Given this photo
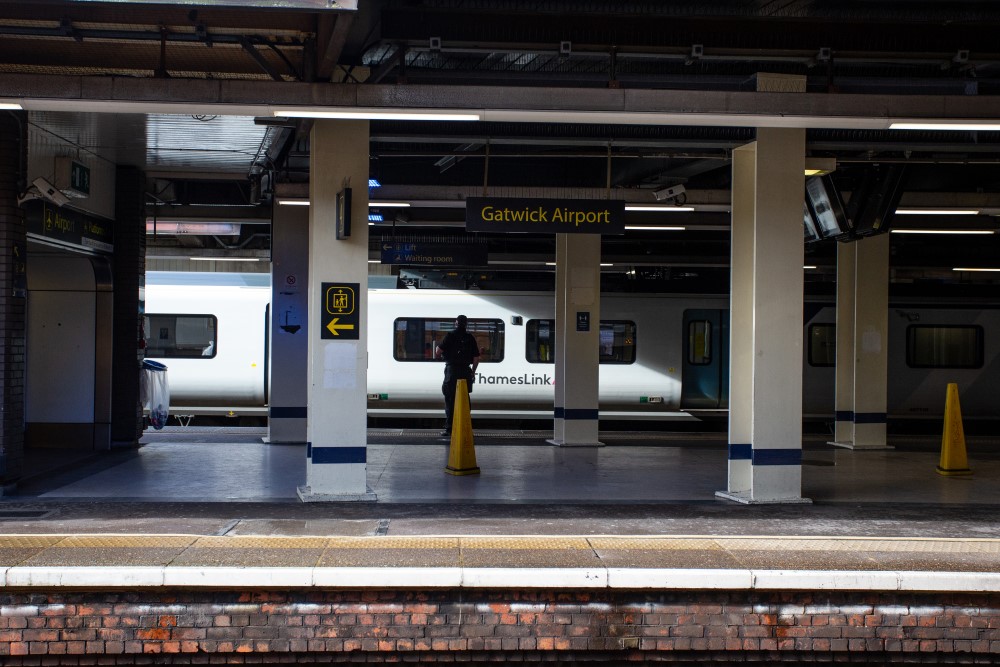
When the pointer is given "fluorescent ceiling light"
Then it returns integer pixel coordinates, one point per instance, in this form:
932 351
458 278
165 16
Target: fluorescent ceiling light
219 228
809 266
388 204
606 264
226 259
942 231
656 228
664 208
936 211
376 114
968 269
294 202
374 261
10 106
944 125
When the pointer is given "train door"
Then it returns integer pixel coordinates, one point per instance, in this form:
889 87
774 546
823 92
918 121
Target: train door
705 369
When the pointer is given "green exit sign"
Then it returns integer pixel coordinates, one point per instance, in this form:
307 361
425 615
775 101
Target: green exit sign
79 177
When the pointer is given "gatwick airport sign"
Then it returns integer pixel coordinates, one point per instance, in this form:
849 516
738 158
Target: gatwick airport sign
545 216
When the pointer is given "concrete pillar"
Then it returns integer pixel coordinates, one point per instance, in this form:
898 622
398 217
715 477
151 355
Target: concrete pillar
289 327
336 466
13 290
862 333
765 400
578 328
129 273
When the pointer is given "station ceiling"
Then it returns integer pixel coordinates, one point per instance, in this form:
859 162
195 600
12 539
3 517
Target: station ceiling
229 166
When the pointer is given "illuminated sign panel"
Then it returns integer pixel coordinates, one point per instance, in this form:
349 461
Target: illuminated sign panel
545 216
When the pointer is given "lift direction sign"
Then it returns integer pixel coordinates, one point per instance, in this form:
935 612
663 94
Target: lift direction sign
340 311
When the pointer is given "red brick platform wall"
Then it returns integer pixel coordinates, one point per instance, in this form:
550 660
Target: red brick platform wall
484 626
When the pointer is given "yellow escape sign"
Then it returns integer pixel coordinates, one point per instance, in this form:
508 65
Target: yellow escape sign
340 311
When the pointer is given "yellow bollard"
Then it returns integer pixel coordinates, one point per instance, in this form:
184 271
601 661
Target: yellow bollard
462 454
953 459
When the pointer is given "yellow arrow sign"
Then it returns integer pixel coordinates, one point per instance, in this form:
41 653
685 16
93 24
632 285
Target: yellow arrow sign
335 328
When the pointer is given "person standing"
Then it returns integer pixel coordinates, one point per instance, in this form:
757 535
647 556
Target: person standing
461 359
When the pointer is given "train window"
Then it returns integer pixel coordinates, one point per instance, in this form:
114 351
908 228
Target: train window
944 346
616 341
417 338
822 344
699 342
181 336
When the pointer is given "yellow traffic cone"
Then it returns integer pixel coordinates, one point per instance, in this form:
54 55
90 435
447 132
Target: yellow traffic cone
462 454
953 459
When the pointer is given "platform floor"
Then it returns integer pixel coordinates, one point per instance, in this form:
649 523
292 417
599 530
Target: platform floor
215 481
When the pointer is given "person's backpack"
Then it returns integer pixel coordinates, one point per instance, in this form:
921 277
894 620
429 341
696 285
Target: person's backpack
462 351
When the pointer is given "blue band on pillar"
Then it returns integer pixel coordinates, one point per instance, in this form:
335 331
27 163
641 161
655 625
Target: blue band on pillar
740 452
777 457
322 455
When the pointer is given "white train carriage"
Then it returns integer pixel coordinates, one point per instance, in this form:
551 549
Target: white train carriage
661 356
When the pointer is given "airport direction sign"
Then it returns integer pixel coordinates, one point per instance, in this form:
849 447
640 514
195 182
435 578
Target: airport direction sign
545 216
434 254
340 318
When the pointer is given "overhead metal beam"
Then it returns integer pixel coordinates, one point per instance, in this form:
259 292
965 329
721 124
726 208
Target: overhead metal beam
502 104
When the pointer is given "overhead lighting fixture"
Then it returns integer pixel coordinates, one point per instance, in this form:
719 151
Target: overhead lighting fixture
656 228
664 209
606 264
373 183
942 231
377 114
936 211
202 228
226 259
374 261
967 126
970 269
375 217
7 105
293 202
809 266
388 204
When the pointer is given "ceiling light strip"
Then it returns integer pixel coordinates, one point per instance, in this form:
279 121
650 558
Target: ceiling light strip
351 113
974 269
955 126
936 211
656 228
942 231
663 209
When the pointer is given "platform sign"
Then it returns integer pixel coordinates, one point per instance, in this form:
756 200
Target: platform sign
339 311
545 216
582 321
434 254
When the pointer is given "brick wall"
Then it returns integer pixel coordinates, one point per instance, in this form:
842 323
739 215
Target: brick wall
482 626
13 133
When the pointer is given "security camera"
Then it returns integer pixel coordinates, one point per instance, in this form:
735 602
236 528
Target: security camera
50 192
673 192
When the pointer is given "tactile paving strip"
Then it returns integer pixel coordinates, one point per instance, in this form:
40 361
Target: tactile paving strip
524 543
126 541
261 543
393 543
29 541
654 544
912 546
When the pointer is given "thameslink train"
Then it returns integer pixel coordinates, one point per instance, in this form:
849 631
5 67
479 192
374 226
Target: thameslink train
662 357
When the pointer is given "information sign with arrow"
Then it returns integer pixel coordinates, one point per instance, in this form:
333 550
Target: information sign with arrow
340 319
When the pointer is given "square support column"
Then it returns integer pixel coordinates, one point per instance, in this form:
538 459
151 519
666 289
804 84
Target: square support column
765 390
578 328
862 333
289 363
337 453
